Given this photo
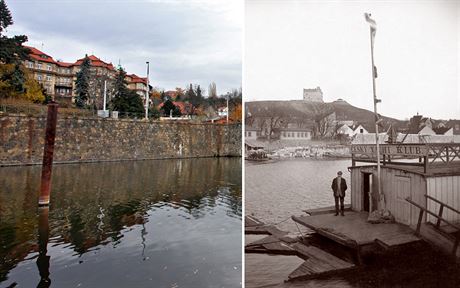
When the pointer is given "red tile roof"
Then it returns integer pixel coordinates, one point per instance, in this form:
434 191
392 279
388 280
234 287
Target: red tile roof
39 55
95 62
137 79
64 64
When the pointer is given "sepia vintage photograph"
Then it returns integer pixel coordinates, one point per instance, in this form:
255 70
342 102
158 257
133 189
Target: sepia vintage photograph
352 143
120 143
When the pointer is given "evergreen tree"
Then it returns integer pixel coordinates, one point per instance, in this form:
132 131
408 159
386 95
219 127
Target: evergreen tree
11 49
196 97
11 52
82 83
126 101
190 94
5 16
199 95
169 106
153 112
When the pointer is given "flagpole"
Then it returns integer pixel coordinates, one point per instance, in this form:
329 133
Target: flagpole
373 30
105 96
147 94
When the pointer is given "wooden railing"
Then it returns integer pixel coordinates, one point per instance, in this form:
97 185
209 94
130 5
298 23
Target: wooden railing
445 152
439 217
404 154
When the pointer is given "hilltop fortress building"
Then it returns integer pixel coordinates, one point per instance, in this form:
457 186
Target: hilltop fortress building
313 95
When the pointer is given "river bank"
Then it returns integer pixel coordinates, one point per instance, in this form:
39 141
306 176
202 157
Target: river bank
80 139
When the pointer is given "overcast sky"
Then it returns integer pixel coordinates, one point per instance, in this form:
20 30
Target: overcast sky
185 41
291 45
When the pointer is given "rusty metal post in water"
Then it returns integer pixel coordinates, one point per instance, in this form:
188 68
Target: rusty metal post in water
43 260
48 151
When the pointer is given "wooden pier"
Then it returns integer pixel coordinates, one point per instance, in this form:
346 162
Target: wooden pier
353 230
317 263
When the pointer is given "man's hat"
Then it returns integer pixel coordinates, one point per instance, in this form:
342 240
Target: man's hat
339 173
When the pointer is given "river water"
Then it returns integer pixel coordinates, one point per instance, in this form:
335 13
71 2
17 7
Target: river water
276 190
166 223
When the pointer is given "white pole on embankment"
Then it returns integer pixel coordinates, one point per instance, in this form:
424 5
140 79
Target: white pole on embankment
373 30
105 95
147 94
227 107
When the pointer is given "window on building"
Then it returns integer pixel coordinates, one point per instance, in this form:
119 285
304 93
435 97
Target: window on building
30 64
249 134
39 77
48 67
361 130
39 65
48 77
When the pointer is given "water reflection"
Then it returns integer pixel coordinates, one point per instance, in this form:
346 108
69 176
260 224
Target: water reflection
177 212
43 260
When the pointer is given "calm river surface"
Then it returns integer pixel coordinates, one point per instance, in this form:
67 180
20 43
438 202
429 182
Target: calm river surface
166 223
276 190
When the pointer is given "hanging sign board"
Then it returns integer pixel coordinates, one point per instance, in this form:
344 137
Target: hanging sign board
418 150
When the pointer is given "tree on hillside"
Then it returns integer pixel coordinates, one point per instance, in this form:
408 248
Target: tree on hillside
236 113
156 93
325 122
18 82
180 93
212 92
34 91
190 94
11 49
126 101
82 83
198 100
11 53
169 106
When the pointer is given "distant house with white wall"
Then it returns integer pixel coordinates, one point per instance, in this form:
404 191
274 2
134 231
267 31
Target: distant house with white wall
251 132
420 125
294 131
222 111
351 130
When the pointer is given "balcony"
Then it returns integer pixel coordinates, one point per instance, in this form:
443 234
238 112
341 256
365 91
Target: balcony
63 84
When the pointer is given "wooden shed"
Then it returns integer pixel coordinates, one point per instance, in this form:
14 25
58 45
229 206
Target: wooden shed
425 174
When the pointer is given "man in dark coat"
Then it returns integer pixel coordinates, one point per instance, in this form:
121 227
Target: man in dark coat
339 186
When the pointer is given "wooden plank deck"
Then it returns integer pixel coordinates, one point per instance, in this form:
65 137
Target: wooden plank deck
325 210
250 221
353 230
317 263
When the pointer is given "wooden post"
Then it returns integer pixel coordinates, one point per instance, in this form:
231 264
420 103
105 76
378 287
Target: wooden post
48 151
440 215
457 240
420 217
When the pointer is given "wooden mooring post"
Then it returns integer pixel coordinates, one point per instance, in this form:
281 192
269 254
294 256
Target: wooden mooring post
48 150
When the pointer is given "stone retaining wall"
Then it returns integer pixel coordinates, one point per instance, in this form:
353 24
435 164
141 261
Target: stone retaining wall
98 139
